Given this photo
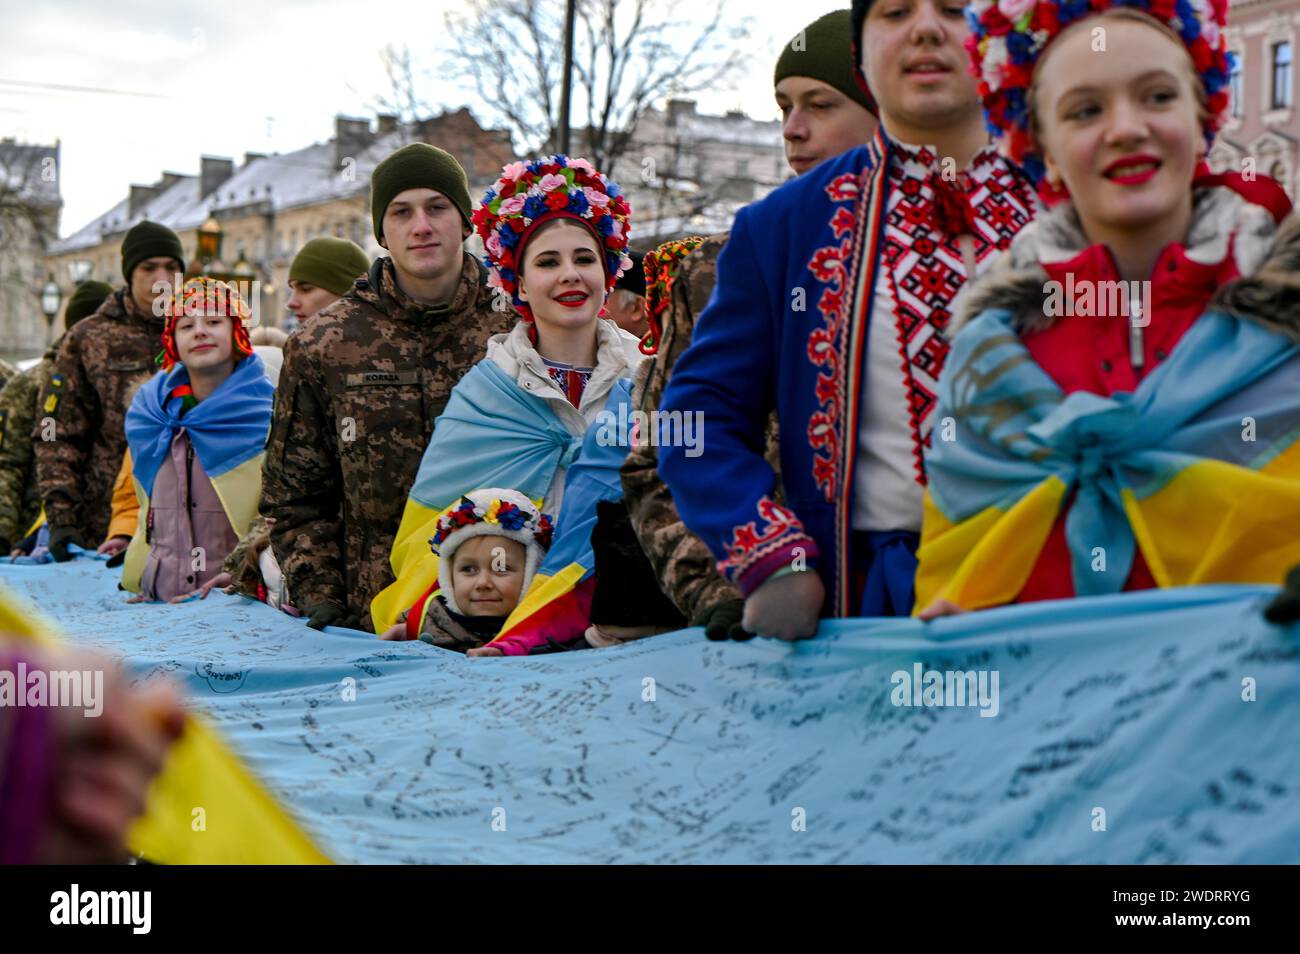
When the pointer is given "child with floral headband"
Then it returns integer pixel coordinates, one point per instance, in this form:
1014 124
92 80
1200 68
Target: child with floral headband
556 233
1123 388
196 433
489 546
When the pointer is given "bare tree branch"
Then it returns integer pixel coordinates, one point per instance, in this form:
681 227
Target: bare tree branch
508 55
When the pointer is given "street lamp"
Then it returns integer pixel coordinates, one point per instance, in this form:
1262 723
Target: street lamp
51 298
79 270
243 269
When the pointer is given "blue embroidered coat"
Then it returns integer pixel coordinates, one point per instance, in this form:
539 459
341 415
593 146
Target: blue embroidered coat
786 327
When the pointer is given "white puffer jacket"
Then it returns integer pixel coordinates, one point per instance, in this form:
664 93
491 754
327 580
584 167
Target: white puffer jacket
617 356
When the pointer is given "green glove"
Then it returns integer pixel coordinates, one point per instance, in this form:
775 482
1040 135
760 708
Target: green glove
60 537
328 614
1285 607
722 621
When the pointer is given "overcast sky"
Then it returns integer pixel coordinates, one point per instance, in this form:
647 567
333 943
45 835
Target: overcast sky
194 78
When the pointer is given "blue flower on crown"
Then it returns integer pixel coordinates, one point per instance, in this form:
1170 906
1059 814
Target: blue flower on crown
1015 103
509 238
1072 11
1020 47
534 207
511 517
578 204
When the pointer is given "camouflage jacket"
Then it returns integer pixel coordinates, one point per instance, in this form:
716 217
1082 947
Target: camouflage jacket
686 569
362 384
100 363
7 372
20 497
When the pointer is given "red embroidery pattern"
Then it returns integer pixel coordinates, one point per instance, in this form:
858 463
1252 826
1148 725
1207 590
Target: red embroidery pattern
925 266
748 545
828 266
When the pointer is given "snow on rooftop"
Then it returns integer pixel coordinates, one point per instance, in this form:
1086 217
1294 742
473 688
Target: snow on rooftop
287 180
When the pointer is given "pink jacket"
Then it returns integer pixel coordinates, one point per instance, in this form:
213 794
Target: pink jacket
185 513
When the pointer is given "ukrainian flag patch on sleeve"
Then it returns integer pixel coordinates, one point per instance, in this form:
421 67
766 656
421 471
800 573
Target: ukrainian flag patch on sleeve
53 394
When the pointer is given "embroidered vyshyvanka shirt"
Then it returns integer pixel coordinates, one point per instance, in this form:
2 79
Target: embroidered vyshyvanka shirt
923 267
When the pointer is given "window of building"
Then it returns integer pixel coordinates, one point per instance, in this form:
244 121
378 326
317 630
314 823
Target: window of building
1235 88
1282 75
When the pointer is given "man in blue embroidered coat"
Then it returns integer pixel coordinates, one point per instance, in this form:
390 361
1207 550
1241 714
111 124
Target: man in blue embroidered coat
832 299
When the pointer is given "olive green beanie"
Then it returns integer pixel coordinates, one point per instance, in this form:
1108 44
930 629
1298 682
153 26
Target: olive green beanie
329 263
823 50
417 166
149 240
85 301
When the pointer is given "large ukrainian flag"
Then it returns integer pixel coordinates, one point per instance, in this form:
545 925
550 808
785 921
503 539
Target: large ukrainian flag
1199 467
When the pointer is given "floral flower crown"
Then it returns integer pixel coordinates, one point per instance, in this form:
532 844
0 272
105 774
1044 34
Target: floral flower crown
506 514
1009 36
660 272
198 297
529 193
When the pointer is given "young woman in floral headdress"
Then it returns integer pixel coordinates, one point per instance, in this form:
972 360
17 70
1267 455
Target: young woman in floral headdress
556 233
1120 403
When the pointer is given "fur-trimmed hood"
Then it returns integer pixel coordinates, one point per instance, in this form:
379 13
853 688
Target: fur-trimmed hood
1267 257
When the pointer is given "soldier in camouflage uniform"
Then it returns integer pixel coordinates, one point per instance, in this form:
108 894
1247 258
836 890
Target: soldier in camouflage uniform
99 364
824 113
362 384
20 497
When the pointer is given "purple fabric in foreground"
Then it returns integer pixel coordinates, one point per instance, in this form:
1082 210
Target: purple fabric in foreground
26 774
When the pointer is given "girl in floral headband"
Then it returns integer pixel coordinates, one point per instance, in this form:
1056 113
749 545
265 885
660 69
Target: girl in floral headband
489 545
196 433
1099 375
556 234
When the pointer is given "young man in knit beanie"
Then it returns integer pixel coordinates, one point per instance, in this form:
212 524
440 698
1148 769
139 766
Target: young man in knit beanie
833 296
362 384
824 113
99 364
20 495
323 271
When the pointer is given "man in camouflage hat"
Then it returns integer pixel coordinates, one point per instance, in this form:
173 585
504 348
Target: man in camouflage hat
824 113
99 364
362 384
20 496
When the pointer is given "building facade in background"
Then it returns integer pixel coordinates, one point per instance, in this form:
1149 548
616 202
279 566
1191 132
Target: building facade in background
1263 132
687 172
269 206
30 203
